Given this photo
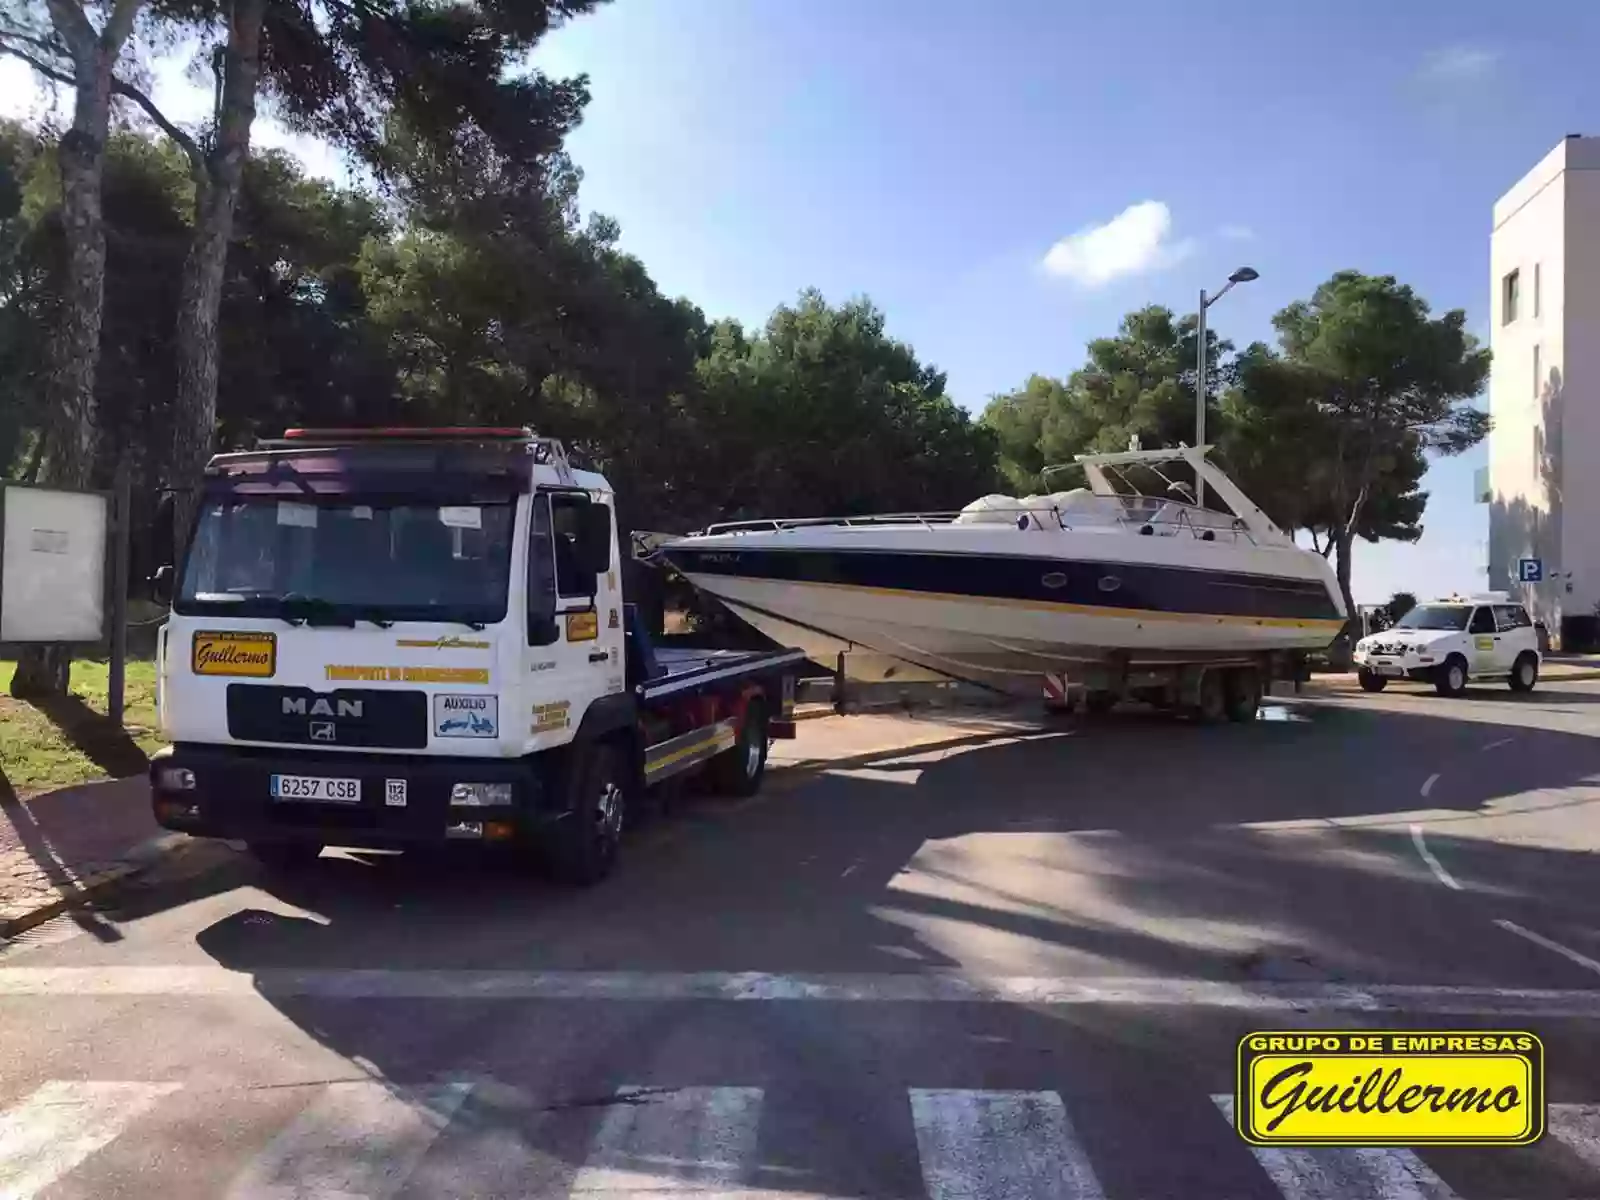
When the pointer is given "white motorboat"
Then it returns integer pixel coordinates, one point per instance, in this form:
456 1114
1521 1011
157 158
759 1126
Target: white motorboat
1010 588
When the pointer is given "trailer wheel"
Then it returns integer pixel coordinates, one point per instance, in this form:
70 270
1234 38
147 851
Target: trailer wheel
1213 704
1242 686
284 856
1099 703
740 770
583 845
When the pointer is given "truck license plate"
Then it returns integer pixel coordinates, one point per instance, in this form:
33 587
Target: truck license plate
316 788
1391 669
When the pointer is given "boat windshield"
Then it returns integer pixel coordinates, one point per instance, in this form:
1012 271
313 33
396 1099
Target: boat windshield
1435 616
343 561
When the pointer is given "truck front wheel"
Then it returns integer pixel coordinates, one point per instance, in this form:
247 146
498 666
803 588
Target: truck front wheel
740 770
583 845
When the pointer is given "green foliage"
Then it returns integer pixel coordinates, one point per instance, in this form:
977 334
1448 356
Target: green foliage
488 305
1399 605
1139 383
1330 431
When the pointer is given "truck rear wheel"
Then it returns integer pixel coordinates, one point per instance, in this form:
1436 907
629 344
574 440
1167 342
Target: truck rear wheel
740 770
583 845
1525 672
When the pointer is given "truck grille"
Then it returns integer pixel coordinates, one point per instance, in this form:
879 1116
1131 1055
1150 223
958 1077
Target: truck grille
366 718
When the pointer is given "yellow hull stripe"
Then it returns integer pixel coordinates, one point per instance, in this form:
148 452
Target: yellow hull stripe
1093 610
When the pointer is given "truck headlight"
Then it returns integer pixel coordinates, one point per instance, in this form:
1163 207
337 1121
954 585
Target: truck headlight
175 779
479 795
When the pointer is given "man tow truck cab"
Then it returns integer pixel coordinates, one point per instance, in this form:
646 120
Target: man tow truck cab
402 638
1450 642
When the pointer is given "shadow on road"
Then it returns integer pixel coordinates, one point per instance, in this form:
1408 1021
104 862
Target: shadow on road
1277 851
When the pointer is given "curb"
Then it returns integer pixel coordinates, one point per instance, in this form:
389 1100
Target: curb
93 887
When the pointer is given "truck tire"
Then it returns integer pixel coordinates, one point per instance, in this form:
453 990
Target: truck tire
1212 705
1242 689
284 856
582 846
1525 672
740 770
1371 681
1452 677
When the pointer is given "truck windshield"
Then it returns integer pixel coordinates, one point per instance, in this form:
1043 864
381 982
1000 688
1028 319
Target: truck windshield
347 561
1435 616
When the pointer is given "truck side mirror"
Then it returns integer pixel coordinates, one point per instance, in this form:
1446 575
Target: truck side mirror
161 584
592 545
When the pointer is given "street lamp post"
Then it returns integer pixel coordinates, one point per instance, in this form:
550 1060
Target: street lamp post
1242 275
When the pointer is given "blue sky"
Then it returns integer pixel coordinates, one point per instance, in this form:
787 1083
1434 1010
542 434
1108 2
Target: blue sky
941 156
931 154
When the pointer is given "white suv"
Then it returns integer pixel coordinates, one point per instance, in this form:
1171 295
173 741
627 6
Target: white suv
1451 641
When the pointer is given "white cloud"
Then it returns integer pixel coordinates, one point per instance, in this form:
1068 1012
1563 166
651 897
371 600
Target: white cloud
1458 64
1135 241
1237 233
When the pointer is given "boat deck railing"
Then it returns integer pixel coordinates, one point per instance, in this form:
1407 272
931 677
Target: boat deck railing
1165 518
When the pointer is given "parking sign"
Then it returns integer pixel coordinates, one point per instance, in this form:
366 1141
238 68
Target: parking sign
1530 570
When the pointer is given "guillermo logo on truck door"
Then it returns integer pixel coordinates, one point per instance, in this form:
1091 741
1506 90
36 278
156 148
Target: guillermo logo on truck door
1390 1088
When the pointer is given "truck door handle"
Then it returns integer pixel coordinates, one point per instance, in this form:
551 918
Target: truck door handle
599 656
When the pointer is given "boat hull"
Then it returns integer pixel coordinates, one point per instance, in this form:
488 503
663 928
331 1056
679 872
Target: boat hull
1011 613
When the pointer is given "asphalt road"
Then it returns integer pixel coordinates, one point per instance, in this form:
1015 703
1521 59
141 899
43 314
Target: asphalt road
1006 962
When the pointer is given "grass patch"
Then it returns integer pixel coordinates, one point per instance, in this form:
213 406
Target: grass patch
59 744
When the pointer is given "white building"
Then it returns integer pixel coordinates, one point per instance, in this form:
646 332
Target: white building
1544 451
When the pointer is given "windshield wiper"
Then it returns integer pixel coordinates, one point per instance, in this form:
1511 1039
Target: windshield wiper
315 611
370 613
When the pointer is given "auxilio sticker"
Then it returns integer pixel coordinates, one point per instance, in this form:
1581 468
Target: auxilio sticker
466 716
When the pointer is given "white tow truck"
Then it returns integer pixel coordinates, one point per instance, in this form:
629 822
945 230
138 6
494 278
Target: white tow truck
400 638
1451 641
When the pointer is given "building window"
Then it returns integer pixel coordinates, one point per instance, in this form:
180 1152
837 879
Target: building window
1510 287
1536 290
1538 371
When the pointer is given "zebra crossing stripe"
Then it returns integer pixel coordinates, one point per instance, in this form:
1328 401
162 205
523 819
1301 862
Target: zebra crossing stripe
978 1145
1345 1173
1577 1127
60 1125
356 1139
698 1141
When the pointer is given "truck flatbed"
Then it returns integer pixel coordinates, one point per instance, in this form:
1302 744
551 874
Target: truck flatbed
660 673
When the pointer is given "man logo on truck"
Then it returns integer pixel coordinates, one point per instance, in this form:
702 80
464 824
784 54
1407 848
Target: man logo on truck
298 706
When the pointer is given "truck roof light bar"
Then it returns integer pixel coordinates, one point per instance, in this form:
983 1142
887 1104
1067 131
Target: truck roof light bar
404 433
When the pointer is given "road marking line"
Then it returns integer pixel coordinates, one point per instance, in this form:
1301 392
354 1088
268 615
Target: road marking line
356 1139
1577 1127
1345 1173
1427 784
1538 939
978 1145
1495 745
1434 864
62 1124
923 987
698 1141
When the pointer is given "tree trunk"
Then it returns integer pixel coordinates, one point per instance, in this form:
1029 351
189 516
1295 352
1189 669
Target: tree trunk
1341 565
69 422
205 269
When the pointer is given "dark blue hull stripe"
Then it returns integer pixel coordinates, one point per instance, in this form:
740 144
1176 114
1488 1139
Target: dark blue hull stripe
1137 587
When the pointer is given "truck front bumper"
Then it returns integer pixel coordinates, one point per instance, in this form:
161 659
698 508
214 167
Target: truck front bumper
226 792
